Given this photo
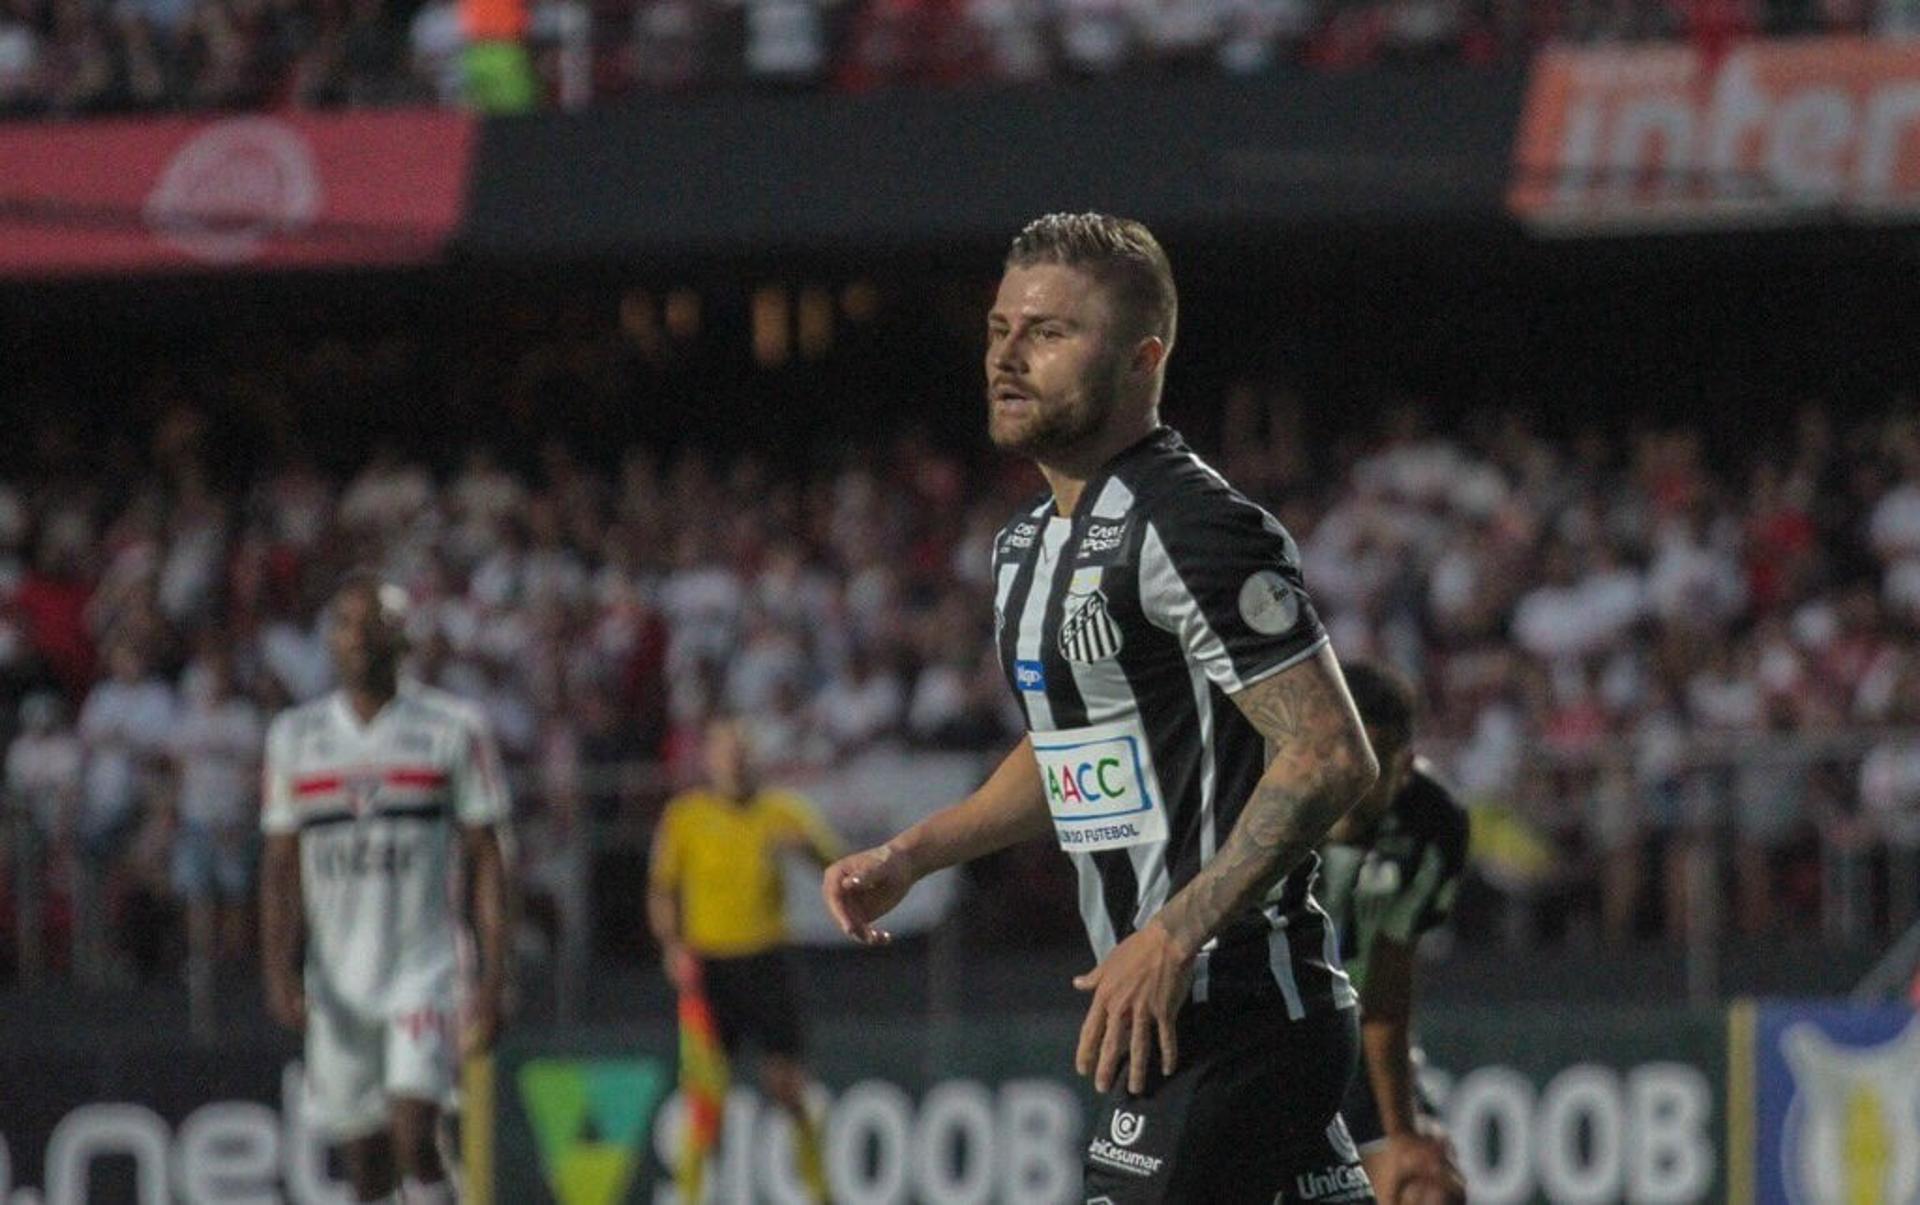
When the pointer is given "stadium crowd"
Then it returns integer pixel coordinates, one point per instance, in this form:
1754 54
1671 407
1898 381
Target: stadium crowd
1628 649
76 57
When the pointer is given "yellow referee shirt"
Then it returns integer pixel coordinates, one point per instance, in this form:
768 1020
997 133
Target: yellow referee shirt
721 859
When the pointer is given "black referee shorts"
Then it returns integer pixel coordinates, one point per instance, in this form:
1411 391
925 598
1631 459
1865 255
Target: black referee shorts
1362 1111
1250 1117
753 1000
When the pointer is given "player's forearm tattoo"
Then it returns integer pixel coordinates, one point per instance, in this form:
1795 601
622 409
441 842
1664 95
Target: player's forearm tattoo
1320 763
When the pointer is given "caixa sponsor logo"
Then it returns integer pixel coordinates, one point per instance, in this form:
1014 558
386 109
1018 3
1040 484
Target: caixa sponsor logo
226 1151
1335 1184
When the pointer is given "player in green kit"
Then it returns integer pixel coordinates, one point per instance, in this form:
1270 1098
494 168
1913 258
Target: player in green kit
1390 870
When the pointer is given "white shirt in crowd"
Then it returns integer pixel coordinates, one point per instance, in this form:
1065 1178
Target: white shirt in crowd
43 774
852 713
122 725
1890 788
217 746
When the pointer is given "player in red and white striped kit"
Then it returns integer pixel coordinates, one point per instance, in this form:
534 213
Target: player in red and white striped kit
373 794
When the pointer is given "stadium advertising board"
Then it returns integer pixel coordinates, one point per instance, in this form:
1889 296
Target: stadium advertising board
181 194
1610 1105
1204 155
1586 1106
155 1125
1763 133
969 1114
1781 1104
1835 1105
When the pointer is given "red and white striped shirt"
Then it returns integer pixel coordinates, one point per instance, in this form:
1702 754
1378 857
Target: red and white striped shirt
378 807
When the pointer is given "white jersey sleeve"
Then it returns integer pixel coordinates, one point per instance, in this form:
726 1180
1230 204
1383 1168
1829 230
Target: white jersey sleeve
479 784
278 816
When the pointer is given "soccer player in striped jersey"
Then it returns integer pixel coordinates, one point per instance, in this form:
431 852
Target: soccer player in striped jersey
1392 867
1190 740
372 794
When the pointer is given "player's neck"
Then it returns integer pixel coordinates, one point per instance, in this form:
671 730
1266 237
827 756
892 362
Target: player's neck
366 702
1069 472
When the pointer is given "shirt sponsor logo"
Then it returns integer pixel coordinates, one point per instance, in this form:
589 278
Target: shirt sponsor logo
1342 1141
1126 1127
1334 1185
1089 633
1030 676
1268 604
1121 1159
1021 535
1096 780
1102 540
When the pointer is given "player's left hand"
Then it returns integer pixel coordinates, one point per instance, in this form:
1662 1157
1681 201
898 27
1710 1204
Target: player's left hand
1137 993
483 1026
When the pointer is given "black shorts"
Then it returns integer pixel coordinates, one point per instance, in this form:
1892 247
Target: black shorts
753 1000
1251 1115
1362 1113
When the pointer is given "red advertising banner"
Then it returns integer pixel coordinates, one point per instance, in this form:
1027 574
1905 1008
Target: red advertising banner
256 191
1763 133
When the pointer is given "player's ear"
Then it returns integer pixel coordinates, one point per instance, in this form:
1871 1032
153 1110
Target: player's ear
1149 354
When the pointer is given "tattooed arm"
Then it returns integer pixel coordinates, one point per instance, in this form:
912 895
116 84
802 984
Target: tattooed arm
1319 764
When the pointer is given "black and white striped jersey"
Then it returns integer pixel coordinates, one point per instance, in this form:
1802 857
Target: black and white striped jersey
1124 630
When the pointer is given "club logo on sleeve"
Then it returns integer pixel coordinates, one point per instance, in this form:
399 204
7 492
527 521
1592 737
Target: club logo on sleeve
1089 632
1268 604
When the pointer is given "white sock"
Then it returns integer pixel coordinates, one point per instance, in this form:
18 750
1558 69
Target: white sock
440 1192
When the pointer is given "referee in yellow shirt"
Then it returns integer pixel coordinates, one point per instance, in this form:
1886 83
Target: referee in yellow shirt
716 906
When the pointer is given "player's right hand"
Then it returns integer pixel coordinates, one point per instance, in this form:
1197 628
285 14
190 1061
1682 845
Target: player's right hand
287 1002
861 888
1418 1169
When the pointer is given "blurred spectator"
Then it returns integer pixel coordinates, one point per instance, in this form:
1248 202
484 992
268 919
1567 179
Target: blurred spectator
216 745
124 726
87 56
1610 631
861 704
43 792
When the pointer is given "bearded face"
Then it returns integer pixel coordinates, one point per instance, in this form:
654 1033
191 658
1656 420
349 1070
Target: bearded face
1054 362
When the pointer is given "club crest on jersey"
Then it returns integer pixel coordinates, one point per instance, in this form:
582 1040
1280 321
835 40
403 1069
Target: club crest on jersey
362 791
1089 632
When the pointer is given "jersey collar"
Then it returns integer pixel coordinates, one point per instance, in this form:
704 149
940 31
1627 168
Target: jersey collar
344 712
1160 437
